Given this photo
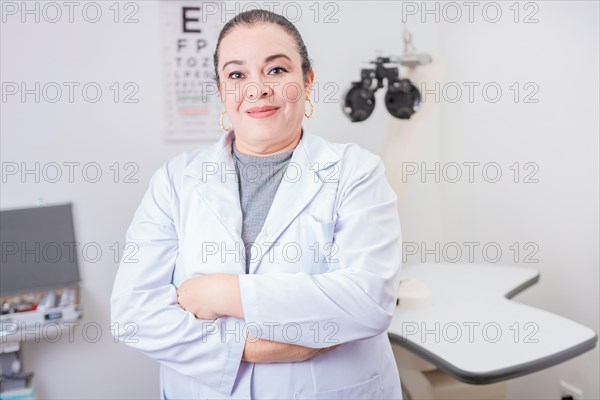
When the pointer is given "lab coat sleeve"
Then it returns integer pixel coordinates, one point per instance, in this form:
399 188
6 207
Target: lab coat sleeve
356 298
144 308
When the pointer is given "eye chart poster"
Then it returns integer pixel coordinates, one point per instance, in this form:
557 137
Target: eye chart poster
189 36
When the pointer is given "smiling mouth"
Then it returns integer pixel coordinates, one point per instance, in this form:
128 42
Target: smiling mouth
263 113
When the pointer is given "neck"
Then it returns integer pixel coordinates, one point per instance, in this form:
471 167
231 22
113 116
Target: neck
268 150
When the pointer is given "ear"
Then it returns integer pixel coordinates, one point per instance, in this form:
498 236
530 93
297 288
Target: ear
311 81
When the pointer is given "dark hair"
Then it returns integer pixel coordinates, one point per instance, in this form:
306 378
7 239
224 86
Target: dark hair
254 17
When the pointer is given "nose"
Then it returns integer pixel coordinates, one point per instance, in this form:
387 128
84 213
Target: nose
257 90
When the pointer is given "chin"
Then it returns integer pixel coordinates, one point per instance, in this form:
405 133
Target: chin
259 134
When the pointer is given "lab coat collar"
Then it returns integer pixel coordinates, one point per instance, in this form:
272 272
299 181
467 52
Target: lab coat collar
218 186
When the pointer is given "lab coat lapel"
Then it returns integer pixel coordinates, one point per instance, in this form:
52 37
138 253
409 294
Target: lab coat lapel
218 185
300 184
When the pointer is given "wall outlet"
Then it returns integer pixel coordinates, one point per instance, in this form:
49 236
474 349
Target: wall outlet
566 389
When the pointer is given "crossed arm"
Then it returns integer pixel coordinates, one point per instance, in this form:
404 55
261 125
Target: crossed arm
216 295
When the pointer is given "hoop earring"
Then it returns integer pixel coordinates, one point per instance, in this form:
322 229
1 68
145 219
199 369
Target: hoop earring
221 122
312 108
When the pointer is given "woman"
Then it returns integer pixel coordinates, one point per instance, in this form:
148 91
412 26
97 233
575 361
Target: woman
268 263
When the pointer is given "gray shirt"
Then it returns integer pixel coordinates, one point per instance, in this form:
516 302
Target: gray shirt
258 180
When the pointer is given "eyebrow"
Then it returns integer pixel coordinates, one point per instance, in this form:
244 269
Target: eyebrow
268 59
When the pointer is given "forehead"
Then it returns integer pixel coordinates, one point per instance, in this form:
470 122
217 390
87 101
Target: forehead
255 43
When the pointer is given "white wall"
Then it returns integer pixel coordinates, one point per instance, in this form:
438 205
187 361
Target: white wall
560 133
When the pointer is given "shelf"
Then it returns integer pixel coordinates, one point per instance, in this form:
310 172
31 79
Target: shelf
31 325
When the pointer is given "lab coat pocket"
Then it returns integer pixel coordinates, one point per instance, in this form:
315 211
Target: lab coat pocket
318 245
369 389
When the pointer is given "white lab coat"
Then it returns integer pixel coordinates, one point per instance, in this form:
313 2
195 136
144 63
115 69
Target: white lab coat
301 289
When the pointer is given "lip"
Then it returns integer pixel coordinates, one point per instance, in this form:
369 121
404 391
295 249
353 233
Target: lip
262 112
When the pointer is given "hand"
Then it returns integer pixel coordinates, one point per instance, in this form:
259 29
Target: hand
267 351
212 296
197 296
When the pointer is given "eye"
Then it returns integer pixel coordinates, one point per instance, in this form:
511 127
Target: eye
233 73
280 68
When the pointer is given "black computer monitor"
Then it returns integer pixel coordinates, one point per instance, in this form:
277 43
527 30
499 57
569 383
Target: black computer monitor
38 249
